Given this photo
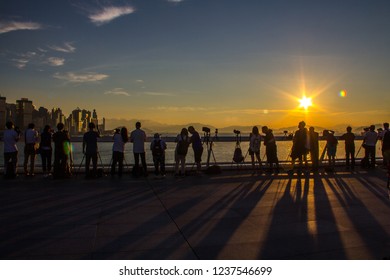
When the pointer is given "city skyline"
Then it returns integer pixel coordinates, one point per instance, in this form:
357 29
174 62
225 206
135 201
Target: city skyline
175 61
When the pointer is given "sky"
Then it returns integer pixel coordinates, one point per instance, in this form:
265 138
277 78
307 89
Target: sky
218 62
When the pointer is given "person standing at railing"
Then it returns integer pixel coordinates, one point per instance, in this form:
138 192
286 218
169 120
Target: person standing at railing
31 138
181 150
349 139
90 149
314 148
61 141
46 150
299 150
385 143
197 147
369 143
254 147
120 138
10 138
331 149
138 138
158 147
270 149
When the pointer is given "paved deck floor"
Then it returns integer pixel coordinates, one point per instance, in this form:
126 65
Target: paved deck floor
234 215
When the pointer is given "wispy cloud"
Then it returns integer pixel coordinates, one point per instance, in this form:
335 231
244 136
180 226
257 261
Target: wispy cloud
107 14
89 77
180 109
151 93
20 63
175 1
23 59
55 61
117 91
8 26
66 48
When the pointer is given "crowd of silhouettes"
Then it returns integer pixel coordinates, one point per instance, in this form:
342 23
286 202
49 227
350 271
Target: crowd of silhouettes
305 145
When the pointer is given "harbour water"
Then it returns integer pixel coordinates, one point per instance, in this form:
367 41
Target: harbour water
223 152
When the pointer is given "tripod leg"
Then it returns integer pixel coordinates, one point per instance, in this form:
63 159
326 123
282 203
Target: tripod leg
81 163
101 162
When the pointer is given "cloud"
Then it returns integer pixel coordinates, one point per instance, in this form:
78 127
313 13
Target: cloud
175 1
23 59
81 78
55 61
180 109
21 63
117 91
66 48
107 14
150 93
9 26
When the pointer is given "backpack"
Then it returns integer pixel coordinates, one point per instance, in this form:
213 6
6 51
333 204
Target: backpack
238 157
157 149
182 147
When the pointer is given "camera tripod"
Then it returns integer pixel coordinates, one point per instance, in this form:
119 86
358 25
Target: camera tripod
82 160
209 146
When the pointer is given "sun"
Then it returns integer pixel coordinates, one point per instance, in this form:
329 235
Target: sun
305 102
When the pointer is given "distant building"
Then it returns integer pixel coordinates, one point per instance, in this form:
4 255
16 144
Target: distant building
24 111
76 122
94 119
3 113
57 117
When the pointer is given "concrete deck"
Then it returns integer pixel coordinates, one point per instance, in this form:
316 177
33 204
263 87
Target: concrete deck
234 215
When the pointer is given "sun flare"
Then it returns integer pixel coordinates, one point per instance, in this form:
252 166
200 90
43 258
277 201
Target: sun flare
305 102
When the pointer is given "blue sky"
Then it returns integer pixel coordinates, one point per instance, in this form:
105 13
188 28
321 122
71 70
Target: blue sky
220 62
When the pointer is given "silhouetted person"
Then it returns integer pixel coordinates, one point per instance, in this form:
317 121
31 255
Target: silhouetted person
331 145
120 138
254 147
90 149
46 150
300 146
61 141
384 144
349 139
270 148
369 143
30 148
314 148
158 147
138 138
181 150
197 147
10 138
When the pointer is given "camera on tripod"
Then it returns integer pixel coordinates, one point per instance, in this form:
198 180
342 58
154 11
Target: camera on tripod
236 131
206 129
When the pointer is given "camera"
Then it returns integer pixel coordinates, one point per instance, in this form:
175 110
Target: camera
236 131
206 129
